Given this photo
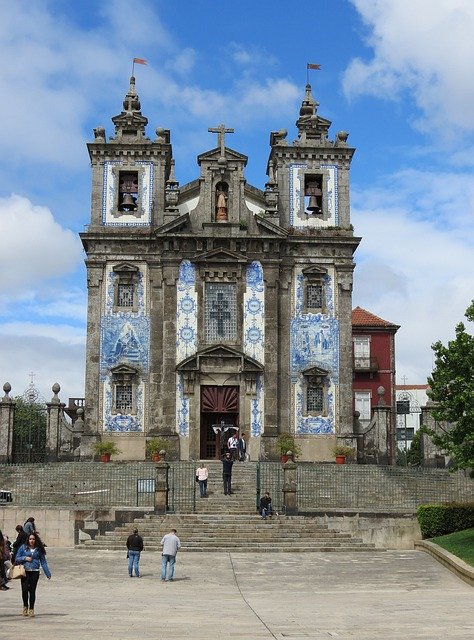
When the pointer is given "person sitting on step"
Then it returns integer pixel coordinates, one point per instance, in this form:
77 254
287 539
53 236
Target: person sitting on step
266 508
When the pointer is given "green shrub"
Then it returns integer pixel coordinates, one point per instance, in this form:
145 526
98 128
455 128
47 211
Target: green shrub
440 519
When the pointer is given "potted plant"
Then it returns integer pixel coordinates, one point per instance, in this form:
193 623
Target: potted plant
156 448
341 452
104 449
287 447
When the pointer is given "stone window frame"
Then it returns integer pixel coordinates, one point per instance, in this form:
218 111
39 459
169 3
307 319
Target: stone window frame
124 375
315 276
223 270
315 377
116 171
126 274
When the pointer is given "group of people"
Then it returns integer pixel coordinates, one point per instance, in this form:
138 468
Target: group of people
237 446
28 550
170 543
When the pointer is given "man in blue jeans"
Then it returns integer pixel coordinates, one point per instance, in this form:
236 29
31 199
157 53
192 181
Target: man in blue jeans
171 543
134 548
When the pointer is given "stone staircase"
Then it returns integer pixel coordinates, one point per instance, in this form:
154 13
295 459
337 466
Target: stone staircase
231 523
244 489
233 532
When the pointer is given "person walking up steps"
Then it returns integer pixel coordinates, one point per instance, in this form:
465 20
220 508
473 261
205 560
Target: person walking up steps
134 548
171 543
227 463
202 475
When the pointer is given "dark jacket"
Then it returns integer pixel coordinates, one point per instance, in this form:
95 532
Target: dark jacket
227 467
264 502
135 542
20 539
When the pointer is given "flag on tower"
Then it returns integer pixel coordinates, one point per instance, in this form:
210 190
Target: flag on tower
139 61
313 66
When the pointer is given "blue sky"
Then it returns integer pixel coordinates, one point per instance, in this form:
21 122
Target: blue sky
396 75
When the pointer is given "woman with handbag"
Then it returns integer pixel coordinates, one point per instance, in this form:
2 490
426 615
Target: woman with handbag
31 555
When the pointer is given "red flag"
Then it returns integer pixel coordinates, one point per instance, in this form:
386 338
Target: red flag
313 66
139 61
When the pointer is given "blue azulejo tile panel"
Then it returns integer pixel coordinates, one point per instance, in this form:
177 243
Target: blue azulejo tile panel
186 311
296 192
254 313
314 341
256 409
125 339
121 422
182 407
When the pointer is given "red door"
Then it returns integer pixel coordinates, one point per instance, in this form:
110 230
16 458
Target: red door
219 414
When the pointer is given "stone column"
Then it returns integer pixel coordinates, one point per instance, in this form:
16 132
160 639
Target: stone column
78 430
290 495
7 411
271 277
53 425
161 487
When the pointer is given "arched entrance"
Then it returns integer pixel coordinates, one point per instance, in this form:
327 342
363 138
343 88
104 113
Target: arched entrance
219 415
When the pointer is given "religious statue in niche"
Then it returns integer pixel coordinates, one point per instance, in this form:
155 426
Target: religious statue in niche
221 202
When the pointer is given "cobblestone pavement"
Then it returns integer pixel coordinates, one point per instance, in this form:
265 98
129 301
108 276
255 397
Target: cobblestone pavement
362 596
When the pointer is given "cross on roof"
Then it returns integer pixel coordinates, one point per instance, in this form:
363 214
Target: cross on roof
221 131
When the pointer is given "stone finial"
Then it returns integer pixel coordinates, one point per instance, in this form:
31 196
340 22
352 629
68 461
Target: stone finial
341 139
381 395
56 388
78 427
7 388
99 134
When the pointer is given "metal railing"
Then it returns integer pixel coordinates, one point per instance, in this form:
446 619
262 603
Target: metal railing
377 487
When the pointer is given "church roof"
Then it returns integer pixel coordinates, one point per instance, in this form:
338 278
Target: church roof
363 318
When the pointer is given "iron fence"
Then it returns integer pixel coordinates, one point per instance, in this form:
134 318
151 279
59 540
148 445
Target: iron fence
377 487
182 487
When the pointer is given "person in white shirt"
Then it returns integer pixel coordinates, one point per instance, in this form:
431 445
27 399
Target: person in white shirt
233 446
202 475
171 543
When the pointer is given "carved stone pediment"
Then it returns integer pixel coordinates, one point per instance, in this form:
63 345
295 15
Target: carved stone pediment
271 227
315 371
124 369
215 154
220 358
314 271
125 267
220 256
177 224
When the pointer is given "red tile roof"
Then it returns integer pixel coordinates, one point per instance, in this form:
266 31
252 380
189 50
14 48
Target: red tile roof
363 318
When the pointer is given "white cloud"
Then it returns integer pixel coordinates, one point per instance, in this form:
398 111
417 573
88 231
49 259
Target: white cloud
33 247
425 48
414 268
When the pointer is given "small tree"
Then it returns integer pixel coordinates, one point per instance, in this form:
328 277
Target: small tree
452 389
414 452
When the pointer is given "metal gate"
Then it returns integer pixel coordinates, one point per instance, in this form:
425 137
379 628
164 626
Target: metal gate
29 427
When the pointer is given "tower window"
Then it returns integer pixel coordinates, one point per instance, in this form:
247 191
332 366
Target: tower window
314 296
128 191
124 389
313 194
123 397
125 295
314 399
125 287
220 312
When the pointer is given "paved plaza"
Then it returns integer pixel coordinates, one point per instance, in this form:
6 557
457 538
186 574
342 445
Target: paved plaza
386 595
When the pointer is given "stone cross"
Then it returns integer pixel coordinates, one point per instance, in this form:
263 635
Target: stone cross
221 131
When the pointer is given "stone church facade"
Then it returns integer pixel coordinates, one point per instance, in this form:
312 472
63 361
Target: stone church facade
217 304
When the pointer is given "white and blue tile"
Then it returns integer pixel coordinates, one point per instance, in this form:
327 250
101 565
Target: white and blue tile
186 312
182 407
254 313
256 409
